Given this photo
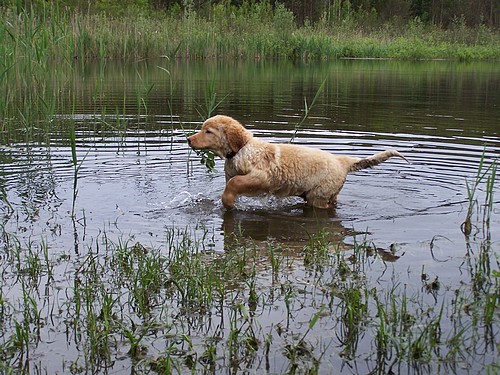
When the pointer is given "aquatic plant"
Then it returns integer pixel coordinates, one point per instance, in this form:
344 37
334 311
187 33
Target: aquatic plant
184 308
207 157
485 175
307 109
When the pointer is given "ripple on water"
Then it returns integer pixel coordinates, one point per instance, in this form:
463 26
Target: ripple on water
160 172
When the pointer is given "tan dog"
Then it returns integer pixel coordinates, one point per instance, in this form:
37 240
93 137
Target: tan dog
254 166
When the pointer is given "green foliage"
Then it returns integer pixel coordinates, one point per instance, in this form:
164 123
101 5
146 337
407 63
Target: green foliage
42 33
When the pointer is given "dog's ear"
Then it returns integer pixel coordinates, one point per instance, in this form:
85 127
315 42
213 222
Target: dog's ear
237 136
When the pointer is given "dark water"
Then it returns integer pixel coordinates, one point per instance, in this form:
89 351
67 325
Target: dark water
138 178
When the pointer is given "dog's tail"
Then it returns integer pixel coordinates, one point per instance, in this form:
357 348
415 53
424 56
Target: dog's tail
374 160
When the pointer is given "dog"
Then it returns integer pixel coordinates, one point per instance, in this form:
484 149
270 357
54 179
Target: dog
254 166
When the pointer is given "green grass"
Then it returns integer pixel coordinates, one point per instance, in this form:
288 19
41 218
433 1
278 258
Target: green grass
478 216
50 34
42 46
182 308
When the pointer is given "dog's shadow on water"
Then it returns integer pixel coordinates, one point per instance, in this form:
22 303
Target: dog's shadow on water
292 228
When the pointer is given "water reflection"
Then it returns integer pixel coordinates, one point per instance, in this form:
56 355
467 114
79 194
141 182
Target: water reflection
434 98
30 173
292 228
138 168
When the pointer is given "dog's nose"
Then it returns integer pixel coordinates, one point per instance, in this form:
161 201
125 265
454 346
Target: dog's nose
189 141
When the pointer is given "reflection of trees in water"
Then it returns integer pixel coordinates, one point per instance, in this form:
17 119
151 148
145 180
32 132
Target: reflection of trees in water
431 95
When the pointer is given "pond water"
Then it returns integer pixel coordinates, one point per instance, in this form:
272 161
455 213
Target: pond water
138 179
138 176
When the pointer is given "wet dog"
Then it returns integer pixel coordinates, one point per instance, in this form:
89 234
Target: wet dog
254 166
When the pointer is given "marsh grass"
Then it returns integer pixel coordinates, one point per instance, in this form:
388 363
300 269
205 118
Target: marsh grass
307 110
36 40
205 111
485 179
183 308
258 33
76 167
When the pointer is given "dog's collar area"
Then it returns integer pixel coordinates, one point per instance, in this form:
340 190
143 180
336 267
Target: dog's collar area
231 155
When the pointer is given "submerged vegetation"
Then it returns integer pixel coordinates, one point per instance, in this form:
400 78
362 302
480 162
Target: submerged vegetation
185 308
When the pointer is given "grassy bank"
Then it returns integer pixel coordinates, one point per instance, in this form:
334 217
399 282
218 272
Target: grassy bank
227 32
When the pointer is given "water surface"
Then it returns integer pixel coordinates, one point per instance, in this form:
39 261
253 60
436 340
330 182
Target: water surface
138 173
137 178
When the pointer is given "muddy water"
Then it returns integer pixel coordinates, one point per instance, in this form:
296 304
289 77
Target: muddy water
137 178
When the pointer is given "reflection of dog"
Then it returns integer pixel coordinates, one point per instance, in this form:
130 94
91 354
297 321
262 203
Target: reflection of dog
254 166
263 229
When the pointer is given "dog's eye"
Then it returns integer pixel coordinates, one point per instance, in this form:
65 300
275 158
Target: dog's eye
208 131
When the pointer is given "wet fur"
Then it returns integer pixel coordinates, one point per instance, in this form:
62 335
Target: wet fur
254 166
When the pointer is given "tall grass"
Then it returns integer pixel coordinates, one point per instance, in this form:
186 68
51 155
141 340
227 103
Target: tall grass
42 45
185 309
256 31
485 179
307 109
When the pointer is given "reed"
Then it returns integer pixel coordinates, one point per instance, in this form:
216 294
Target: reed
206 111
76 167
485 175
229 32
182 307
307 109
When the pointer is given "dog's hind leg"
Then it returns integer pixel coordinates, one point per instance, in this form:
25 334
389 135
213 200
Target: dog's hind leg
317 201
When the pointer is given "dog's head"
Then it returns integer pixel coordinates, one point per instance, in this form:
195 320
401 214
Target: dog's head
221 134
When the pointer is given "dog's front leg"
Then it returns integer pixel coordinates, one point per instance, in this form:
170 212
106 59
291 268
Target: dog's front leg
242 185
